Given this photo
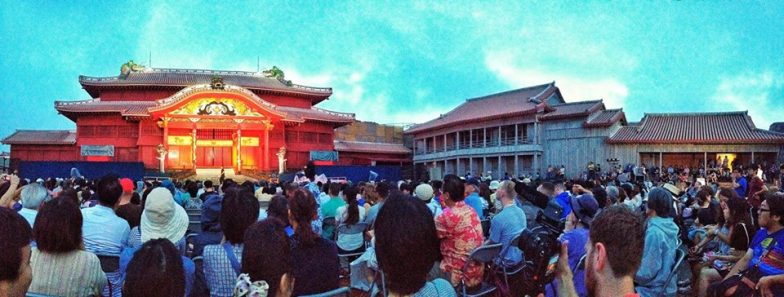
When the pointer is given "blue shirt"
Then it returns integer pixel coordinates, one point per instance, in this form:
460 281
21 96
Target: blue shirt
473 200
218 271
105 234
505 226
762 241
564 200
29 215
743 186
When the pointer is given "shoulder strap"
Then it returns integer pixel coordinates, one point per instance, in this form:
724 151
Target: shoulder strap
748 239
232 258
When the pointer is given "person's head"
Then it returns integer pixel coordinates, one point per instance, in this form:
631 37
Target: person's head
659 202
584 209
33 195
547 188
771 212
506 192
405 188
471 185
703 196
69 194
736 172
207 185
352 209
382 189
58 227
727 194
601 196
405 229
210 214
302 211
109 190
127 186
454 190
437 184
239 210
15 271
267 256
611 258
155 270
737 211
279 208
193 189
558 188
334 189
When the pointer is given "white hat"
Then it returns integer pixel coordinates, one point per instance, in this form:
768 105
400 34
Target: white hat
494 185
424 192
162 218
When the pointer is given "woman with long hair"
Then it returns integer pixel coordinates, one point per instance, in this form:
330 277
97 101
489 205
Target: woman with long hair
314 260
350 214
266 261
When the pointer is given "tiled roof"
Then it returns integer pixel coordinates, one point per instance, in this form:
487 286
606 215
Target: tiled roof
55 137
696 128
573 109
605 118
140 109
510 103
316 114
370 147
188 77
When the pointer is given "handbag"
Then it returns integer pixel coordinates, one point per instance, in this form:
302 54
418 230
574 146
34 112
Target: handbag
744 284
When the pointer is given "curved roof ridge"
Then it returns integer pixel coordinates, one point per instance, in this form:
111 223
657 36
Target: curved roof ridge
696 113
514 91
580 102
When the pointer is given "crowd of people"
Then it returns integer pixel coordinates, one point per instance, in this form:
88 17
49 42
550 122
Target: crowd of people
621 236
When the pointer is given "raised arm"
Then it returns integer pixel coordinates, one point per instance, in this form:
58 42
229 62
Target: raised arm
7 200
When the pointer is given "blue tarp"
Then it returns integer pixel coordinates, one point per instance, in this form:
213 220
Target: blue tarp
361 173
90 170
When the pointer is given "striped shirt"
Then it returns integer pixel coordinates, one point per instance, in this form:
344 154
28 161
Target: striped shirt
75 273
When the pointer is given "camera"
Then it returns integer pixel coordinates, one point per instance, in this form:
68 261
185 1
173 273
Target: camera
541 248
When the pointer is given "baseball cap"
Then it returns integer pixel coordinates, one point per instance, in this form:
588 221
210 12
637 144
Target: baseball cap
585 207
127 185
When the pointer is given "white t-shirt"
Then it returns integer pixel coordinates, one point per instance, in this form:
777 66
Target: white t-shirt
349 242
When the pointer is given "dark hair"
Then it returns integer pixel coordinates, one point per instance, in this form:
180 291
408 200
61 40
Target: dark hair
437 184
548 186
227 183
279 208
58 226
623 252
15 234
155 270
660 201
136 199
239 209
249 186
601 196
352 209
729 193
303 210
382 189
109 190
207 184
703 195
405 230
193 189
739 210
454 186
334 189
69 194
776 205
484 192
267 253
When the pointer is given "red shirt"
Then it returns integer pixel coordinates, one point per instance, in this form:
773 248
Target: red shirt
460 232
756 185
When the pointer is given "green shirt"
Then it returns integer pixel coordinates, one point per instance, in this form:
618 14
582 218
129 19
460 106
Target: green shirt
330 208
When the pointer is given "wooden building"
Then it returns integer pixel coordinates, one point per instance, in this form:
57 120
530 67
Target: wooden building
526 130
191 118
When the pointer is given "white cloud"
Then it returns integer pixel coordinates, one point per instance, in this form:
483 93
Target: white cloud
507 68
761 93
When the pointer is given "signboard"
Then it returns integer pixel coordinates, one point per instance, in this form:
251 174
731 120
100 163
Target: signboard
203 142
324 156
249 141
180 140
97 150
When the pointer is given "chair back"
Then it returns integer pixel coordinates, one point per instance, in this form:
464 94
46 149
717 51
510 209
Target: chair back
485 227
680 254
352 229
336 292
486 253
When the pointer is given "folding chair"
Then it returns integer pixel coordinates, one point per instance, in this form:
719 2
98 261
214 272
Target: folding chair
342 291
194 220
484 254
358 228
509 271
680 254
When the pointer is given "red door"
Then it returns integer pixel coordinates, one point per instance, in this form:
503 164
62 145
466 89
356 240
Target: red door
208 156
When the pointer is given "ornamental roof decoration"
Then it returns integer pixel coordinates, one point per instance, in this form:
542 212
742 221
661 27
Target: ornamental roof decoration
133 75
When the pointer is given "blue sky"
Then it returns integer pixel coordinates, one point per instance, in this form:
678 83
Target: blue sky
407 62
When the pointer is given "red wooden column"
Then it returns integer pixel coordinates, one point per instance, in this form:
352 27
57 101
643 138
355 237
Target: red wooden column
166 140
267 127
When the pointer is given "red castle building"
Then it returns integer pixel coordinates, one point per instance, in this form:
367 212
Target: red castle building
193 118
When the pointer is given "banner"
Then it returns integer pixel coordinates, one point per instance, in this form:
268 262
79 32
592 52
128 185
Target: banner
324 156
98 150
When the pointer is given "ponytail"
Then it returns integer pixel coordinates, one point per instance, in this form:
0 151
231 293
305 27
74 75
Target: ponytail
303 210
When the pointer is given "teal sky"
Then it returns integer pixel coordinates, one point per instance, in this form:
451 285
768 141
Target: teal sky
407 62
